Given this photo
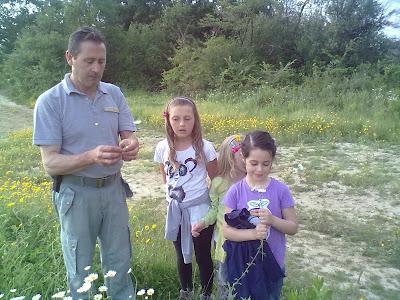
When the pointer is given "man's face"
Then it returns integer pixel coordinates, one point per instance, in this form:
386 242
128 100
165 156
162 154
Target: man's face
88 65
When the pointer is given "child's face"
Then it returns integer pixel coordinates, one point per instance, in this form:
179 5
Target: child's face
258 165
181 118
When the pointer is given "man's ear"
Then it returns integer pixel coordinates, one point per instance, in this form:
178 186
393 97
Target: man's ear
68 57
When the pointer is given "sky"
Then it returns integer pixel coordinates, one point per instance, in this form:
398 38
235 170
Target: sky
390 5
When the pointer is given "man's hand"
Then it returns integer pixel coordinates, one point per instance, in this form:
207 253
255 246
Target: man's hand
129 148
106 155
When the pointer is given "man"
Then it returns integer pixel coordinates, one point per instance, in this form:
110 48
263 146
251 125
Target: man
85 130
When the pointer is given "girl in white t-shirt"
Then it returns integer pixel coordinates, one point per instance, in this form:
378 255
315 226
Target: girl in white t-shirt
185 161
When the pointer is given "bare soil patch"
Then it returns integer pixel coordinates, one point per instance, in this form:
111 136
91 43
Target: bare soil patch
340 260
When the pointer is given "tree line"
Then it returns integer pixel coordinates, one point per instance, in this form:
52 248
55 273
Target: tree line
194 45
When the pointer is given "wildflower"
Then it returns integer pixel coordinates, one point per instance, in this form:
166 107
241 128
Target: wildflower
59 295
141 292
87 268
98 296
37 297
102 288
110 274
130 270
154 226
150 292
146 227
13 290
84 288
1 295
10 205
91 277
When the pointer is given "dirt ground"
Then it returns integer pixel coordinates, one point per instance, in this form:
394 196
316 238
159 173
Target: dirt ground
341 261
13 116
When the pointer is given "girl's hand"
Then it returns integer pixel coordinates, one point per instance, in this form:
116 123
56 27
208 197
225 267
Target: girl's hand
261 231
197 228
264 214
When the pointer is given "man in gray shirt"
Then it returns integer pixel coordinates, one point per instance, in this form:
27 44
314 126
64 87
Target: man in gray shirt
85 131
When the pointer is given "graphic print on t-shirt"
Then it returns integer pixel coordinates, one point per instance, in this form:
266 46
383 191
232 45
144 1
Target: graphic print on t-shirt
260 203
178 177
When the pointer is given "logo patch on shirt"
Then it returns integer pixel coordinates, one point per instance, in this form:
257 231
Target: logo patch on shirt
111 109
262 203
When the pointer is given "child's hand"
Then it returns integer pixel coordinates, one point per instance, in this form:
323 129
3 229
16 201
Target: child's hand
197 228
264 214
261 231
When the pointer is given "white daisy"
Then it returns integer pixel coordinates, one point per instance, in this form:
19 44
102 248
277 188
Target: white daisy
59 295
110 274
84 288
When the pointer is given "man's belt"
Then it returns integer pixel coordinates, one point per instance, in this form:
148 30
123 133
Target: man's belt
89 181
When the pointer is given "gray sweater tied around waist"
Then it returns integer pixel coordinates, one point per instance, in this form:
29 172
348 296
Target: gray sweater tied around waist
178 216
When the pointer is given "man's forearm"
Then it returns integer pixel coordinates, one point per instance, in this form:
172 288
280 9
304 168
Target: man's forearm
60 164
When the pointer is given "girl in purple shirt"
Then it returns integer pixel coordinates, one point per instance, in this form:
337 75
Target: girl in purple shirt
266 198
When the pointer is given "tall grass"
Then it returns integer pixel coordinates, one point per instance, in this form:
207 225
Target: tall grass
330 107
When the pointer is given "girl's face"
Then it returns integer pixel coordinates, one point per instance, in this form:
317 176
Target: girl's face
258 165
181 118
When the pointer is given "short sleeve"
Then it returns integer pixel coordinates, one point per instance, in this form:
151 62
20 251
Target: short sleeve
286 198
159 153
209 151
231 197
47 129
125 122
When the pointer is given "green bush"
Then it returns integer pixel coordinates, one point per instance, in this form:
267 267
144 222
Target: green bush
197 66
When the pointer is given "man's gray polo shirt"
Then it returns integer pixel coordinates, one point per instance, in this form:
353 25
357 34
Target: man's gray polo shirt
64 116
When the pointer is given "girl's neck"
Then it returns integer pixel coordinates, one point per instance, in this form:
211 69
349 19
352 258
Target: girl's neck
183 144
258 185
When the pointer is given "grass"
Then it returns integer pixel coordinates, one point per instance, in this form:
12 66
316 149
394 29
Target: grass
31 259
310 121
300 114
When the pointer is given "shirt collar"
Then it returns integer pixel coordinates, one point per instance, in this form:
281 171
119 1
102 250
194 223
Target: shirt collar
69 87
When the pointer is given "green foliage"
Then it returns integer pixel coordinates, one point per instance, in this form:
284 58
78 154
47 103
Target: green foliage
317 291
195 67
35 65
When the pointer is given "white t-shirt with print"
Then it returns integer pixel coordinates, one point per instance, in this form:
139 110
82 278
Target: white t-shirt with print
189 181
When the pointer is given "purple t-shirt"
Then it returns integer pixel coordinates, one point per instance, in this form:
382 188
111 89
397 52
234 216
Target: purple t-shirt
276 197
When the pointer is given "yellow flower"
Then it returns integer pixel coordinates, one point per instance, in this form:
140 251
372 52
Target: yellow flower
154 226
146 227
10 204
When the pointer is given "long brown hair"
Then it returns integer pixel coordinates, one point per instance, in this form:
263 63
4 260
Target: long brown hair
197 137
